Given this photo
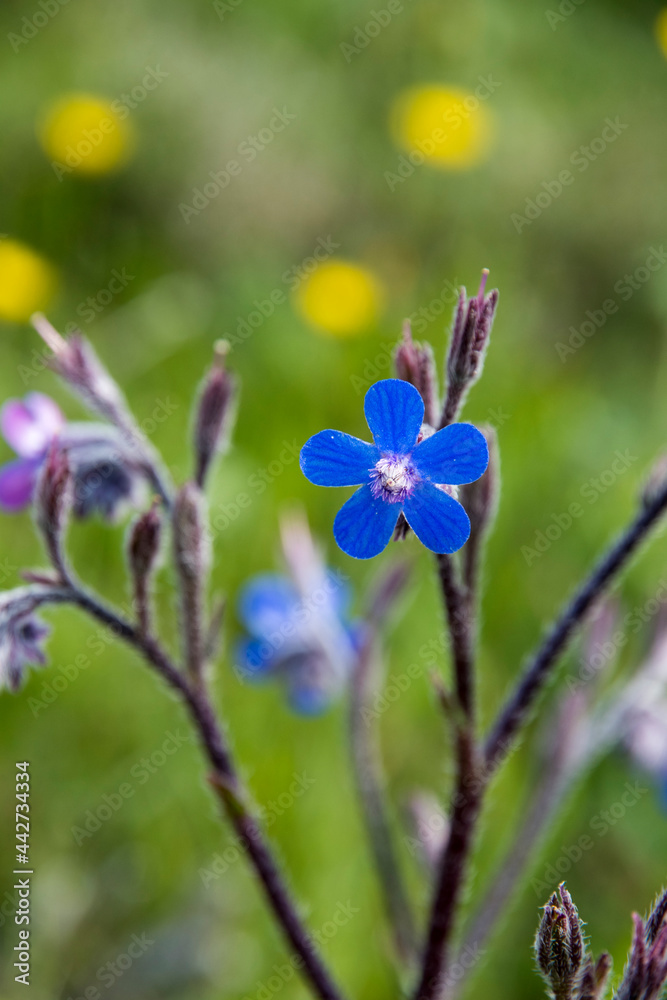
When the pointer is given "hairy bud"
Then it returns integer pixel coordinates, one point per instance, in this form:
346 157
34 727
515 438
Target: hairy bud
415 364
144 544
53 502
143 551
77 364
473 320
646 970
214 413
656 920
559 945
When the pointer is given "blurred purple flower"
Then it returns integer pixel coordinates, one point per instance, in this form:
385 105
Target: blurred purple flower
298 628
20 647
106 469
28 426
22 633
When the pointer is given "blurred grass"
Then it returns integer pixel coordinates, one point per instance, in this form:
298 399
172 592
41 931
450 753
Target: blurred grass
324 175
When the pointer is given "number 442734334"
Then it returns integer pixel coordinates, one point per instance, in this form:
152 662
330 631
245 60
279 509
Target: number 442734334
22 812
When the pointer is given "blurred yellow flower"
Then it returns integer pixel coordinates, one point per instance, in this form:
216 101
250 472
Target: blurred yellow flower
27 281
87 134
661 30
340 298
451 128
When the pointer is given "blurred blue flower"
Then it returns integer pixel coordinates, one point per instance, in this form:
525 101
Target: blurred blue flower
404 471
298 631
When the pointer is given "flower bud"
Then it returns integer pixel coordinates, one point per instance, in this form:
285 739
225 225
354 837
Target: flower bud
53 496
559 946
473 320
214 413
144 543
415 364
656 921
77 364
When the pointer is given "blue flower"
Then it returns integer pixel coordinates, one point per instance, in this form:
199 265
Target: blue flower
301 639
403 472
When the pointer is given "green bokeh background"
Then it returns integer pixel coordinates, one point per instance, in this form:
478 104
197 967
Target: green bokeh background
559 424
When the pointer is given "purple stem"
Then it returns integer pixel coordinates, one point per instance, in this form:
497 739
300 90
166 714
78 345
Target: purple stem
466 807
517 710
226 779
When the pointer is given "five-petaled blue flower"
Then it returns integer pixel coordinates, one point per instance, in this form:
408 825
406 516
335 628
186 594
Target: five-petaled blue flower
402 472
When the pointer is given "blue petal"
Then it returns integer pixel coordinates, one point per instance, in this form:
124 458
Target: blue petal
364 525
308 699
255 659
439 522
456 454
266 602
394 412
332 458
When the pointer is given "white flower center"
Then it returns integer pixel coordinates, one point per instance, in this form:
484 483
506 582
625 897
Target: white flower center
393 476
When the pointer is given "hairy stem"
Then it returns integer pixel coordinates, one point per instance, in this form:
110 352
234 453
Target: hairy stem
467 799
466 807
458 608
519 705
495 904
227 779
370 781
